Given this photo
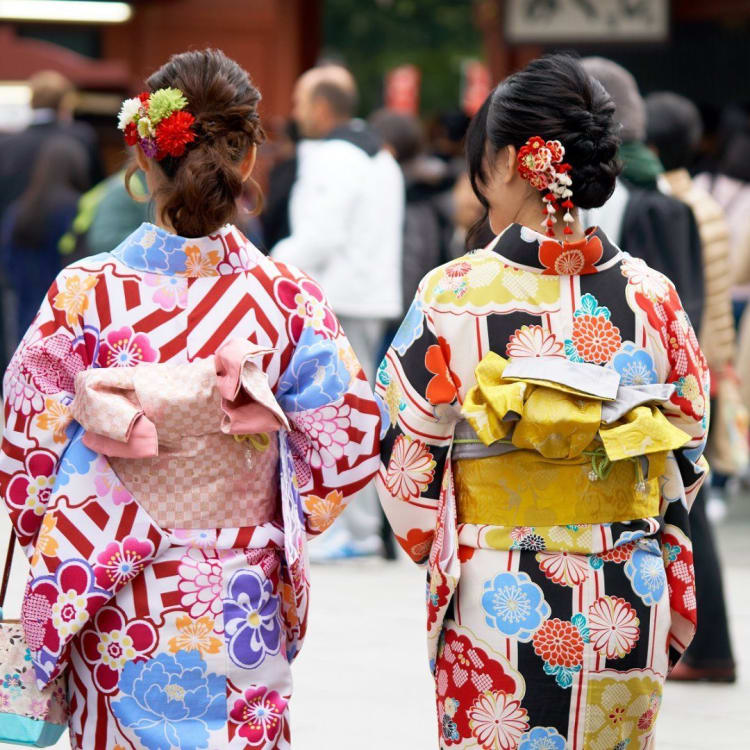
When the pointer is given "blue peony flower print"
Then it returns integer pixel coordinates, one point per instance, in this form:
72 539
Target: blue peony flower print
151 248
514 605
629 536
76 459
410 329
542 738
171 702
385 416
635 365
645 569
316 375
251 619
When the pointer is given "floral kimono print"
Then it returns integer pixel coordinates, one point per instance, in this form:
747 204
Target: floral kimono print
182 415
544 409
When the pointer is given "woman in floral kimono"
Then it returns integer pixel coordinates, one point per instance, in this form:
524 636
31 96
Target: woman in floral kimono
544 411
182 414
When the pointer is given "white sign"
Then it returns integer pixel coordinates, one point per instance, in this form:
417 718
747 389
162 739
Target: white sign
539 21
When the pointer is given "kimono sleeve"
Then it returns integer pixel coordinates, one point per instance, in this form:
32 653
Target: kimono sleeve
414 390
686 469
329 403
38 389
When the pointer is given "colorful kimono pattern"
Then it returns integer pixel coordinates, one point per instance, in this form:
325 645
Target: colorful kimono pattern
557 634
176 637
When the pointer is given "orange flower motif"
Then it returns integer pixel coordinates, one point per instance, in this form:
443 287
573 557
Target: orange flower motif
323 511
595 338
619 554
46 544
443 388
195 635
417 544
73 301
56 417
198 265
559 643
570 258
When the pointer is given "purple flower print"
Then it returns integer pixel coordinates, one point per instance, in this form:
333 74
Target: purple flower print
251 619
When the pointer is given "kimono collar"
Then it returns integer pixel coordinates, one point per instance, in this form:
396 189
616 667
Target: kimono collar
523 247
153 249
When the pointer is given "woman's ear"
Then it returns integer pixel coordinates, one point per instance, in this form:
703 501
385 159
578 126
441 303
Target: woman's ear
143 162
248 163
511 154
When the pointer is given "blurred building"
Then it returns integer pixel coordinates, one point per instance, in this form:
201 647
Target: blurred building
108 60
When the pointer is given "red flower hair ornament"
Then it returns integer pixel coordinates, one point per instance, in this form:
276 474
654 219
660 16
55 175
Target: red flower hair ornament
158 122
541 163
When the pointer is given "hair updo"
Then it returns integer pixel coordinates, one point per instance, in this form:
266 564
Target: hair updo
552 97
202 187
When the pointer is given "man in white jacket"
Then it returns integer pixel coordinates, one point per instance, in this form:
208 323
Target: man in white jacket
346 215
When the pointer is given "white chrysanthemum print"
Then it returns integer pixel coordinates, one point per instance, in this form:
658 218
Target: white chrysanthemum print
647 281
534 341
613 626
410 470
564 568
497 721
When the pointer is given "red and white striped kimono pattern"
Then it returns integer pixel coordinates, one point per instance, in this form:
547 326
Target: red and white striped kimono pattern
176 637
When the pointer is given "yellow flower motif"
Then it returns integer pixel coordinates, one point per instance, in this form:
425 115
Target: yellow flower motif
45 544
198 265
116 649
392 399
56 416
349 358
323 510
73 301
69 613
195 635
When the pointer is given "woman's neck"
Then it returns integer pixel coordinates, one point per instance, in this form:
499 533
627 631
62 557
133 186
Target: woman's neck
531 215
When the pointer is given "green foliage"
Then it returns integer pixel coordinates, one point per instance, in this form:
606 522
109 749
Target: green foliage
372 36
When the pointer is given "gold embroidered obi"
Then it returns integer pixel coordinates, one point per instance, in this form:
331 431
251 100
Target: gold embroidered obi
548 442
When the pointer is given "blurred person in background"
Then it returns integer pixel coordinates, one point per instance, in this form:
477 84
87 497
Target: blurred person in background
33 225
428 219
642 220
281 178
346 216
674 132
52 99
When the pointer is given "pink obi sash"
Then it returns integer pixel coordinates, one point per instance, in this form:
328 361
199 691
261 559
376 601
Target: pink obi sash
190 441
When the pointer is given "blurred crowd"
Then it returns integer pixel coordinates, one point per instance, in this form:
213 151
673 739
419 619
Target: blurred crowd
369 206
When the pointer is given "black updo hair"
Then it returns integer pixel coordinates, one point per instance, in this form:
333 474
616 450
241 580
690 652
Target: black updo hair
552 97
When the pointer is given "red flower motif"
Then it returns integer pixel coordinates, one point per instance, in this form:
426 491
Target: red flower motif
261 716
437 595
121 562
417 544
144 96
465 553
619 554
131 134
173 133
112 641
443 388
458 270
54 362
556 150
308 307
126 348
559 643
595 338
29 491
570 258
463 672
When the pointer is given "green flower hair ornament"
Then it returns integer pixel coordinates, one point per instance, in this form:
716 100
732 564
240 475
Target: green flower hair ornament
163 103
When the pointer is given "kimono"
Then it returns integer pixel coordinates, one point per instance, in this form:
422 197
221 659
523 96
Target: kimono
544 411
221 419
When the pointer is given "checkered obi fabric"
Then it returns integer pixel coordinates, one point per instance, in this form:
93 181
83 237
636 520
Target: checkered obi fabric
190 441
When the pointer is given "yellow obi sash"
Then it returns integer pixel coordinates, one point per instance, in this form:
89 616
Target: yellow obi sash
567 462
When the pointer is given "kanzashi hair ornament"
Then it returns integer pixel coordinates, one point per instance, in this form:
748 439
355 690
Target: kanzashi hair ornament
158 122
541 163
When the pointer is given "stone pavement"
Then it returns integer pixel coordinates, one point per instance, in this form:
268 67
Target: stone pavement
361 682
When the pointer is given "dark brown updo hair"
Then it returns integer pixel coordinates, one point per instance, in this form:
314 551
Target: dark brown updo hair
202 187
555 98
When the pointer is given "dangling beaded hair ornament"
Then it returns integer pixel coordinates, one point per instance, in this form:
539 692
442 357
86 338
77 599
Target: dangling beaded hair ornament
158 122
541 163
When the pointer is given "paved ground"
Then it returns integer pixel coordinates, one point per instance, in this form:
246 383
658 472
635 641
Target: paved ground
362 681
